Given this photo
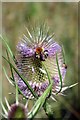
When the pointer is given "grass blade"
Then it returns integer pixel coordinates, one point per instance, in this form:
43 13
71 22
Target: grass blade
47 73
50 81
5 111
10 65
40 102
60 76
7 46
7 103
10 81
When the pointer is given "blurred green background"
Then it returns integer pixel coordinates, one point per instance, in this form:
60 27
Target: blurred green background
62 18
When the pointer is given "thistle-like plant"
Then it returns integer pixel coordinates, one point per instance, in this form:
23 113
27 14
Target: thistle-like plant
40 68
15 110
36 53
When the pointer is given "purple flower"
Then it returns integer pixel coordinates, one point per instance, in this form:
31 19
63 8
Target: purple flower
32 51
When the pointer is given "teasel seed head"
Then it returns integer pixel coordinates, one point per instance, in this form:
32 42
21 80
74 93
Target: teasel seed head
33 51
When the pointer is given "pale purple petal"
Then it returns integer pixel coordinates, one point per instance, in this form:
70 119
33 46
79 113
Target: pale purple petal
24 49
53 49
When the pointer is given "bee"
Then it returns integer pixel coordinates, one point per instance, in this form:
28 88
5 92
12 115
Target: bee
39 50
64 65
41 53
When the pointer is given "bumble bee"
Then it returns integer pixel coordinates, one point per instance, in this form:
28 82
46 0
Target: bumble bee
41 53
64 65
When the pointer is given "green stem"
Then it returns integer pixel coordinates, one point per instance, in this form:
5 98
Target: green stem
49 78
47 73
60 76
16 94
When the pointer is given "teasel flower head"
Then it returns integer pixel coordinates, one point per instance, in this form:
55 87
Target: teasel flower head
36 50
15 110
